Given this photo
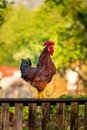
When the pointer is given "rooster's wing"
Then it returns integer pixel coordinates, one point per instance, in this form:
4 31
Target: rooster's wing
42 77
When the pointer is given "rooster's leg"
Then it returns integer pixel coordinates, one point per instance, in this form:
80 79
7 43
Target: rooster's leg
40 94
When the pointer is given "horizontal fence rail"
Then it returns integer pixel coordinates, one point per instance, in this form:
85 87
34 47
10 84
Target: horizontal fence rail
43 114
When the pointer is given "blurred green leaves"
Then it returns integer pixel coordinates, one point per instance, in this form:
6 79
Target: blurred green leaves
5 6
64 22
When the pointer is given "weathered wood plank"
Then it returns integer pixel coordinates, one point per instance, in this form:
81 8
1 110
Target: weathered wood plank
32 116
45 115
74 116
39 102
32 124
18 116
85 116
61 116
5 116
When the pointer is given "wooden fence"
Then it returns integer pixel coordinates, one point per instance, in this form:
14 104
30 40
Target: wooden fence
56 114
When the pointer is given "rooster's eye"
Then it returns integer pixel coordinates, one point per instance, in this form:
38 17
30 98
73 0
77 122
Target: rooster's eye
50 49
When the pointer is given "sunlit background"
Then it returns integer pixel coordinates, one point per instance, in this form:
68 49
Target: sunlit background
25 25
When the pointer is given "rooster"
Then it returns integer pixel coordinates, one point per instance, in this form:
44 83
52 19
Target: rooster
42 74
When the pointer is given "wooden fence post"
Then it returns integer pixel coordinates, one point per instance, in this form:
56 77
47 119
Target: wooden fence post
5 116
61 116
32 116
85 116
18 116
45 115
75 123
74 116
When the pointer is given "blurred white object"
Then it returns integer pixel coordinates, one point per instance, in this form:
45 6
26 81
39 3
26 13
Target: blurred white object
6 81
17 74
72 79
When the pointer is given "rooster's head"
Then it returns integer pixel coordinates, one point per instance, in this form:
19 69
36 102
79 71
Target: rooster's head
50 45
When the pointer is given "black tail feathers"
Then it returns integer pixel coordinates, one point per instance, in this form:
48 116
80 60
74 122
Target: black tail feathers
24 64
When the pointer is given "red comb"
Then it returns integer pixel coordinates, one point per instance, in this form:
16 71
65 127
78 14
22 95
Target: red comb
49 43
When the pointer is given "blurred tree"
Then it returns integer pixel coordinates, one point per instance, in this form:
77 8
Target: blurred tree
62 21
4 7
71 29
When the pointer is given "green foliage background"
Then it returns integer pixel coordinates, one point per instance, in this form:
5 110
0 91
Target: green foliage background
23 32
